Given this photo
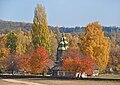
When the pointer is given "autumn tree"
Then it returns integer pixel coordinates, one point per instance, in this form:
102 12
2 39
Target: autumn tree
23 41
39 60
114 60
72 53
35 62
30 45
78 64
4 52
67 64
40 31
54 45
72 40
22 63
87 65
11 44
95 45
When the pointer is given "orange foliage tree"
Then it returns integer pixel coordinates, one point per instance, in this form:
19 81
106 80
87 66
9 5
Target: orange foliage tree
22 62
77 64
35 62
87 65
67 64
95 45
39 60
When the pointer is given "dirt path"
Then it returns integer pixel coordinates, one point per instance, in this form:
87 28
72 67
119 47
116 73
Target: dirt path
41 81
72 82
21 82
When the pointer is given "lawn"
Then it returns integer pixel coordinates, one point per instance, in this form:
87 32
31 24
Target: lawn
108 76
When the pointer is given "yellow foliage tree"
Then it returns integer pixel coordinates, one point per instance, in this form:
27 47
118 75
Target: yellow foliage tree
4 52
72 40
40 31
23 41
95 45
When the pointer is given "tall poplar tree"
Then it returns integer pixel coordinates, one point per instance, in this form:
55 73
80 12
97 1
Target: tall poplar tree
95 45
40 31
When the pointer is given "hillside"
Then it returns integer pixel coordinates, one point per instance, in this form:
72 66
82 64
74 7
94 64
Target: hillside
6 26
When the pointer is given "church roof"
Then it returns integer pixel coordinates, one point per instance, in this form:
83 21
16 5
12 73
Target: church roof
63 44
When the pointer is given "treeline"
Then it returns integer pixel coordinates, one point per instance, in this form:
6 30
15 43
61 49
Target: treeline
6 26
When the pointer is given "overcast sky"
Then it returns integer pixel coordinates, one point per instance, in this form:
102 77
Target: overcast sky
64 12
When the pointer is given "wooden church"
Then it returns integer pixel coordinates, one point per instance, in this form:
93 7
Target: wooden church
62 47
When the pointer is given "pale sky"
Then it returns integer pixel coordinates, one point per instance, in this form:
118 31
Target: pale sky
64 12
